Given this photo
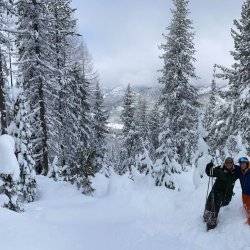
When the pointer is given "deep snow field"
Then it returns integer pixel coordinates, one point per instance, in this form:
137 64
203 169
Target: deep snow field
123 215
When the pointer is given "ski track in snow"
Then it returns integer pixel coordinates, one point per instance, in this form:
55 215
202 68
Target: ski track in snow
127 216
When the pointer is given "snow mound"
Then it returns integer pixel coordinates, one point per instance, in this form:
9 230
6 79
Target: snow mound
8 161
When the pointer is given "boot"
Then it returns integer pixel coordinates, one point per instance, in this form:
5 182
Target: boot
211 226
212 221
206 216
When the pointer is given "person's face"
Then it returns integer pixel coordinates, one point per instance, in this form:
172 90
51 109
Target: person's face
244 165
229 165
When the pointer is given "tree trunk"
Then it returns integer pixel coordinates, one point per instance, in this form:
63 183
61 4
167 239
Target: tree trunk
45 160
2 97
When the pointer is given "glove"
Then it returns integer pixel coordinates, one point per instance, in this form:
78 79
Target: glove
210 165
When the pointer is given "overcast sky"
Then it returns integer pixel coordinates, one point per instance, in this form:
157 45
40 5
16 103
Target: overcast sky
123 36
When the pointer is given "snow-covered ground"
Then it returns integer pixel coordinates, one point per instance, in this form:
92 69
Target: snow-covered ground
123 215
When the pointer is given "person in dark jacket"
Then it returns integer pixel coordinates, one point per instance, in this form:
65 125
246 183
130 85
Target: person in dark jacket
222 190
243 172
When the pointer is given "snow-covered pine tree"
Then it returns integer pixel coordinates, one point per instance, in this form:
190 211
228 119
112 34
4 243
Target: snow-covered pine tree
9 192
100 132
141 118
241 111
77 158
63 30
3 92
129 135
178 139
127 116
143 161
166 159
154 124
4 44
20 130
237 132
71 134
85 157
79 166
210 111
83 96
218 132
9 54
35 57
11 40
214 121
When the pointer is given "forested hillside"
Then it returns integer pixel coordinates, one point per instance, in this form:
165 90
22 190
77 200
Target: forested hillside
61 128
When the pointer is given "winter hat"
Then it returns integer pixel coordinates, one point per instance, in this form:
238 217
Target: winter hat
243 160
229 160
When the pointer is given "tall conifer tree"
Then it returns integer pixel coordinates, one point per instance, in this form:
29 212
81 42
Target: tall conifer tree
35 57
129 135
231 128
178 139
100 117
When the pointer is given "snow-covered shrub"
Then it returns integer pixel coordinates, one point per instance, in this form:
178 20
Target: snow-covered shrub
9 174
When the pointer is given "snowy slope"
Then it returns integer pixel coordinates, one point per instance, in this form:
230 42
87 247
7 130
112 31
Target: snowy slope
124 216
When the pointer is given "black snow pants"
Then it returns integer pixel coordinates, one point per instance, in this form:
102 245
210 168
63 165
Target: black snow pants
214 202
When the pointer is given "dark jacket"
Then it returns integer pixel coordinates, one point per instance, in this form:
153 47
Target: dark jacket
224 183
244 180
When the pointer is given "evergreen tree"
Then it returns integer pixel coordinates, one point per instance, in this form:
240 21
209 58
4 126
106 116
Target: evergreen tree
141 118
231 129
241 87
82 100
35 57
179 97
127 116
62 29
20 129
214 121
129 135
239 94
166 164
211 108
74 161
179 134
5 6
100 130
3 110
9 192
154 129
79 166
143 161
218 135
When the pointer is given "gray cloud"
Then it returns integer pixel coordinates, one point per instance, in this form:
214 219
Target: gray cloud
123 36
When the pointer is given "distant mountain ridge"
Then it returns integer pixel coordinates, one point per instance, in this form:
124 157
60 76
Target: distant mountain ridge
114 97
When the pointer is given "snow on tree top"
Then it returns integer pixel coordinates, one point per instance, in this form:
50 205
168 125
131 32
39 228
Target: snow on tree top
8 161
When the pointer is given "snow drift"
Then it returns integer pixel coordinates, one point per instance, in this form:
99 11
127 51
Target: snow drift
8 160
